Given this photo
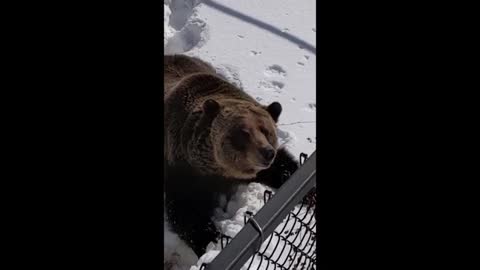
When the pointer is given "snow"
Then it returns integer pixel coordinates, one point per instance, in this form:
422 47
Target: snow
267 48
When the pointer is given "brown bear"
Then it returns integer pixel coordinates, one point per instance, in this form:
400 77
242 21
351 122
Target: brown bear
216 138
212 125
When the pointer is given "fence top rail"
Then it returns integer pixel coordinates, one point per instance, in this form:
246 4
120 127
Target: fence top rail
259 227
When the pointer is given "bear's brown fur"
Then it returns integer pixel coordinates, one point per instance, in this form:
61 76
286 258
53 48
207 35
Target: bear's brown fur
213 126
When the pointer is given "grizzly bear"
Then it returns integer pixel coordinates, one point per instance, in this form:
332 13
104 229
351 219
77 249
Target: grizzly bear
214 126
216 137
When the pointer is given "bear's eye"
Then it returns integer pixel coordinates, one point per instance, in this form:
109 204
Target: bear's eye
264 131
245 133
239 138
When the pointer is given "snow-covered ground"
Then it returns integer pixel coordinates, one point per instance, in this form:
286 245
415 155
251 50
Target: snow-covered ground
268 49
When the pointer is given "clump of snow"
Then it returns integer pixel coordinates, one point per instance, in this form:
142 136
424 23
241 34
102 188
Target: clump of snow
207 258
247 198
266 48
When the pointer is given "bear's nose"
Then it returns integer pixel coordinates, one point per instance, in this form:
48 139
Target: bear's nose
268 153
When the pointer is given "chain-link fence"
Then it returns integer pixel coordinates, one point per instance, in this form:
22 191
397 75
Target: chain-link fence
282 235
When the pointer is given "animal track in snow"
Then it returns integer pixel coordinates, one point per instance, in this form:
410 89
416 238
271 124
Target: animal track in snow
191 36
254 53
188 31
278 85
275 70
311 107
181 10
275 86
301 63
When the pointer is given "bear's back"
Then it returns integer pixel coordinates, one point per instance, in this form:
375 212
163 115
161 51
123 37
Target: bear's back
177 67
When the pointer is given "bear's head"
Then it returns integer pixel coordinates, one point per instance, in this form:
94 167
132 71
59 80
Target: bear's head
243 135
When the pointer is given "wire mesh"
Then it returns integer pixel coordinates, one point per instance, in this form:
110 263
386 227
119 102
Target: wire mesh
292 243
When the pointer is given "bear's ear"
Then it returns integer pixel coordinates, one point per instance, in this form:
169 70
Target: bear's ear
211 107
274 109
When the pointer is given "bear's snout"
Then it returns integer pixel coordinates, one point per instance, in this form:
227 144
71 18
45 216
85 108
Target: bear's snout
268 153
